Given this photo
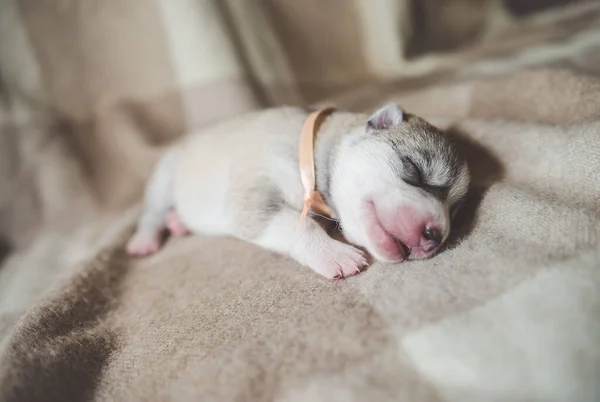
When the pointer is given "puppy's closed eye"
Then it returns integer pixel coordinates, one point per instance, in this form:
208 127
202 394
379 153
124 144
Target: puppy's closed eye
411 173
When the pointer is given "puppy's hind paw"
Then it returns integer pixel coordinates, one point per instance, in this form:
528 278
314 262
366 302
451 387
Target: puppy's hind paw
176 225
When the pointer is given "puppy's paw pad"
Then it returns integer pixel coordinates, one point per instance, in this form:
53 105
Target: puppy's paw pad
142 245
340 261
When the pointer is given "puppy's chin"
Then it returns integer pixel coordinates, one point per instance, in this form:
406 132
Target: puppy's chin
416 254
380 242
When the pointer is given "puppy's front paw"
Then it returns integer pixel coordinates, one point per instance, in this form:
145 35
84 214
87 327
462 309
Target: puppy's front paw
143 244
338 260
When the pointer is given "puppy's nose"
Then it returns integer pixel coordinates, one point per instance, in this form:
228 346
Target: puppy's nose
432 237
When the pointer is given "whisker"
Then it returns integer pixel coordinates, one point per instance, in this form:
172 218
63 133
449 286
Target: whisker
323 216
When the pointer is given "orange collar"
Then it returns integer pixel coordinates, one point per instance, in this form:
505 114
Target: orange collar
312 198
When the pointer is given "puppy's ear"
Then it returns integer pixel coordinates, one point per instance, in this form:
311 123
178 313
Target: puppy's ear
386 117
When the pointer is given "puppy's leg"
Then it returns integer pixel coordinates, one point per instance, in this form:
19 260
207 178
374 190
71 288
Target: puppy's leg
158 201
309 244
176 225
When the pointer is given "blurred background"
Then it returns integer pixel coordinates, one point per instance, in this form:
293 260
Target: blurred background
224 57
108 82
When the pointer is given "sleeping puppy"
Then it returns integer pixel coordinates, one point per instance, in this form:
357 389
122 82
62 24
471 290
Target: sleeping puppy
391 180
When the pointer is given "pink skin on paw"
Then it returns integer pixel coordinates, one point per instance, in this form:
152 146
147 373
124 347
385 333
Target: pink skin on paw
142 244
341 275
175 225
340 261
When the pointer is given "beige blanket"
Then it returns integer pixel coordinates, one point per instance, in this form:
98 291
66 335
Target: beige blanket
510 311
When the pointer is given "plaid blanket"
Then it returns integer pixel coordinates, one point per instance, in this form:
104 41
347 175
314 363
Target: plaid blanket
91 93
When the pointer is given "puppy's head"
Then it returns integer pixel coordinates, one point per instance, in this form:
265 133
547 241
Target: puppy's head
396 184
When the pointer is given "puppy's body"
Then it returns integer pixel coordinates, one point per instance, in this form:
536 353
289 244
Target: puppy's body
252 163
242 179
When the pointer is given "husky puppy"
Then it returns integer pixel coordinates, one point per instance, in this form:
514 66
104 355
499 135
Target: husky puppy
391 180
